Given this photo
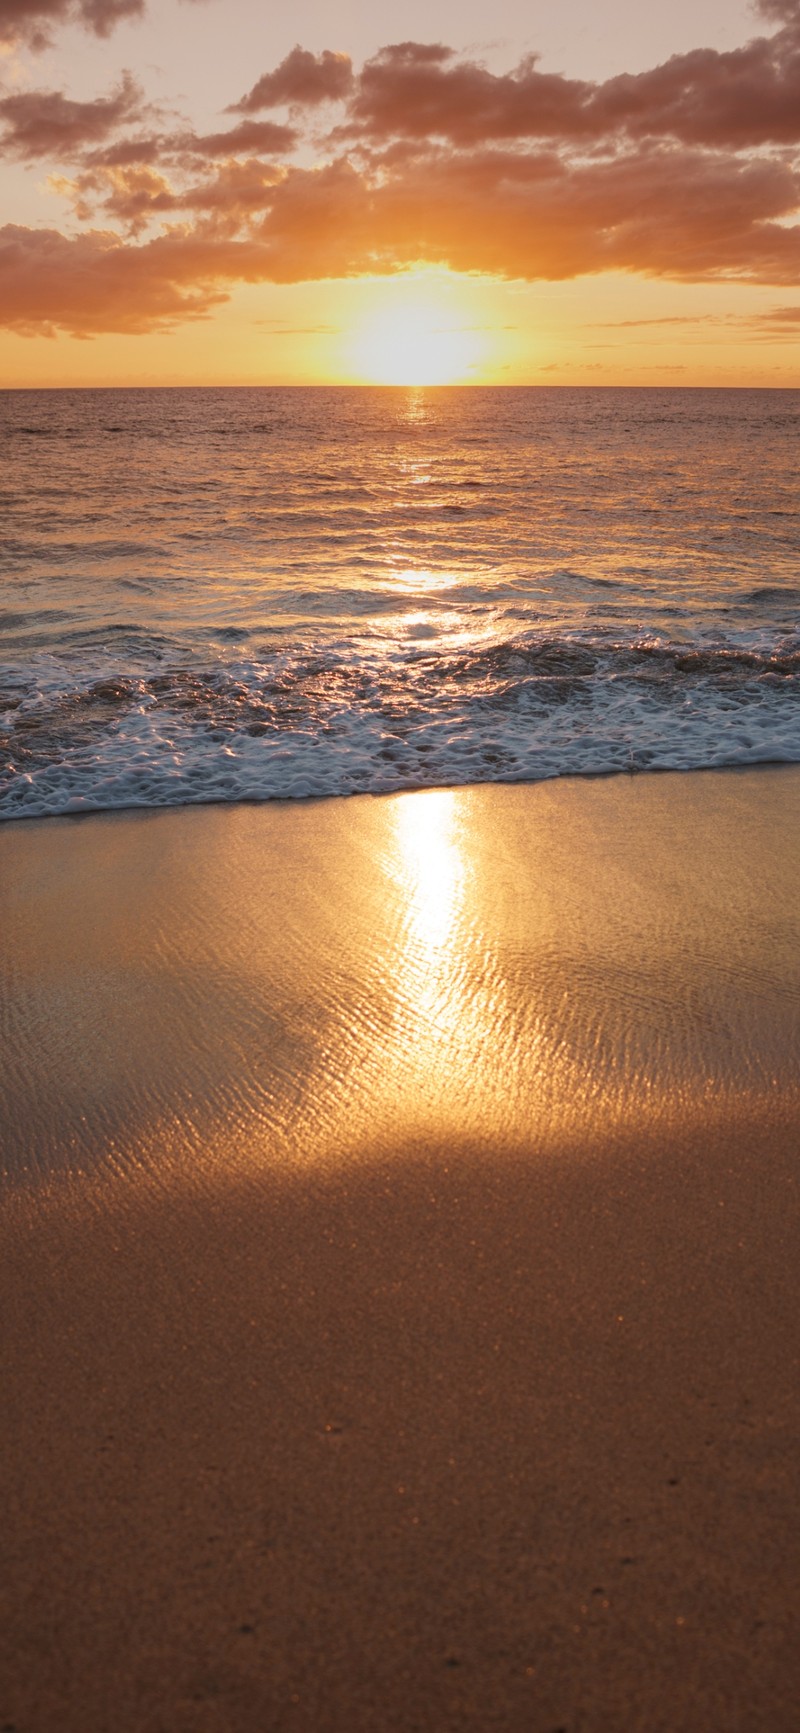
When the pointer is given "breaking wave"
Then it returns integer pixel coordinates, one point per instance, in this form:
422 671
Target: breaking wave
292 723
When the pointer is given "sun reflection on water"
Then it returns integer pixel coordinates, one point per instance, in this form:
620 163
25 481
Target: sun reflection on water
414 405
424 579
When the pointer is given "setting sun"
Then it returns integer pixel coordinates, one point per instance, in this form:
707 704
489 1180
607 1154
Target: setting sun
414 343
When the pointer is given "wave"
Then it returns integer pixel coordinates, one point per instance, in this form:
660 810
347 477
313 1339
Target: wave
162 729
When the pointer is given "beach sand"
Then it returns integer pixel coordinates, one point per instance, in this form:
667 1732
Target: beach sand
398 1264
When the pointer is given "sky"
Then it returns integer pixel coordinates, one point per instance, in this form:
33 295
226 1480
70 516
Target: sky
224 192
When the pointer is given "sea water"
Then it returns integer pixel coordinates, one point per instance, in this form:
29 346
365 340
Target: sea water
228 594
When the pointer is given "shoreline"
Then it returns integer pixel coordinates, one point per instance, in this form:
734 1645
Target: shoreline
280 801
399 1262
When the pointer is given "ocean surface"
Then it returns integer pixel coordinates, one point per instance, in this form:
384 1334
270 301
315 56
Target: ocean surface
217 595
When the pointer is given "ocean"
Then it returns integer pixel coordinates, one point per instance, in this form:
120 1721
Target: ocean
265 593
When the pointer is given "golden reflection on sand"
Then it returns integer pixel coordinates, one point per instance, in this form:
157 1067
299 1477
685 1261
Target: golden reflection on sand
456 1028
432 868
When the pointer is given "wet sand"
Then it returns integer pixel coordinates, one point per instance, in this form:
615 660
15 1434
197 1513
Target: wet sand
398 1264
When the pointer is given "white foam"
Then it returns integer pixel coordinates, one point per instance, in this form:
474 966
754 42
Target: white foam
154 755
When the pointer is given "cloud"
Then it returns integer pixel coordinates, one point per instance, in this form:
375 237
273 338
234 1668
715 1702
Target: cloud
302 80
779 11
31 22
46 123
418 91
94 283
249 135
189 149
142 148
232 198
688 171
666 319
36 124
743 98
683 215
780 318
130 195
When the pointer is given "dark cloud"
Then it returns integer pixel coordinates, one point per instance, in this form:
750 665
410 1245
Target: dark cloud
142 148
251 136
743 98
407 92
189 149
38 124
302 80
779 11
46 123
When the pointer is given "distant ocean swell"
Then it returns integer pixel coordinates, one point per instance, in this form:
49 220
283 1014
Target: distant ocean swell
139 721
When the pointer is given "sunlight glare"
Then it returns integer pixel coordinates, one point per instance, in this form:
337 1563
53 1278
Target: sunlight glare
415 343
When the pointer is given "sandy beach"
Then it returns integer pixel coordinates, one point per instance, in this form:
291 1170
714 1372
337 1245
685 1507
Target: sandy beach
399 1251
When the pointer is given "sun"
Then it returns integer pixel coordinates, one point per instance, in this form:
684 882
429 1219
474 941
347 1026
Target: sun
415 342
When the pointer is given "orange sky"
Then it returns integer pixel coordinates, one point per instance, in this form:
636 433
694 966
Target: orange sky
588 196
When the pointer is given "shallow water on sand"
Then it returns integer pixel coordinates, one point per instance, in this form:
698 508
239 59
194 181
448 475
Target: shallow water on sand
526 969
